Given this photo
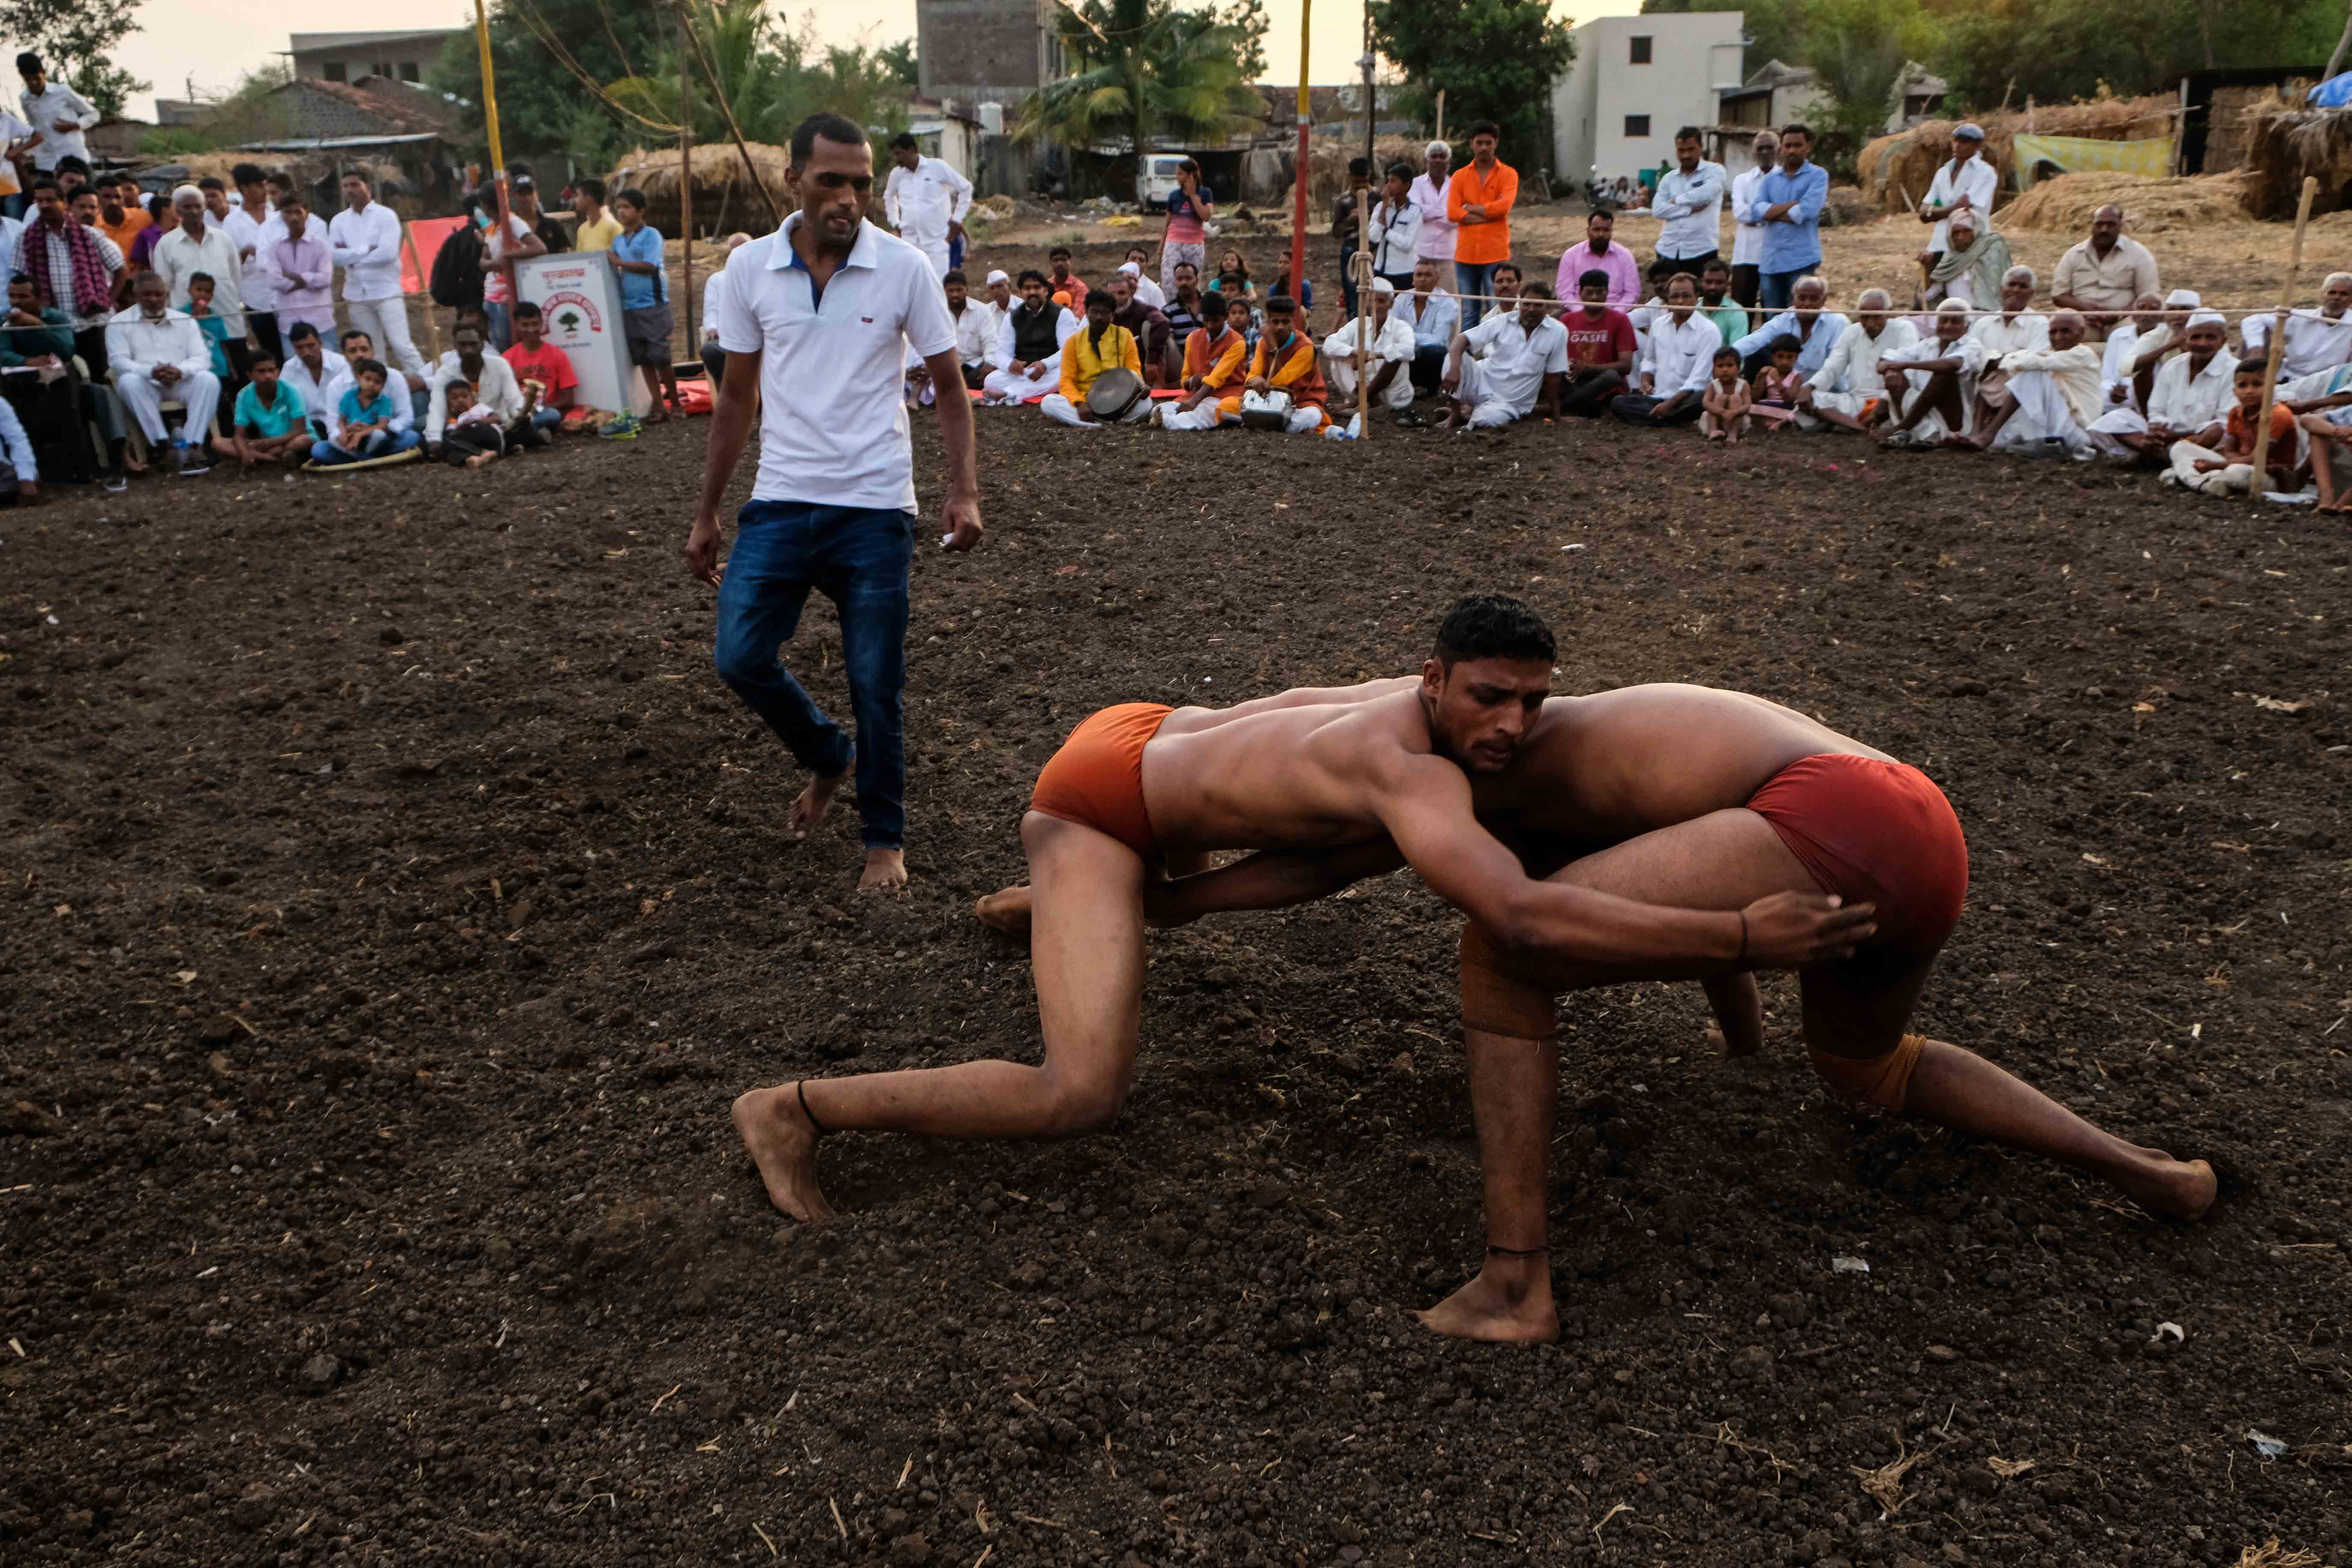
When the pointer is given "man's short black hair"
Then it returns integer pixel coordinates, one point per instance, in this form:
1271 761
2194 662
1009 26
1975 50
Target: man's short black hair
593 189
259 356
1493 626
1510 267
1535 288
361 367
632 195
293 199
1663 267
904 138
954 275
301 331
247 174
1485 128
207 279
45 183
524 310
212 183
1060 250
70 164
1591 277
29 62
1796 128
2251 368
1281 305
1214 304
1785 343
344 341
831 128
1400 171
1029 272
24 278
1102 297
1689 134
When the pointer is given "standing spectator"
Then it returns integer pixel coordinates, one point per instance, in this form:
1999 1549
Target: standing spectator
925 201
270 422
1688 206
301 269
1479 199
1601 347
194 247
525 193
1396 230
2101 275
364 239
1505 366
73 269
598 228
121 215
1185 236
541 370
1788 202
1847 389
1816 329
645 300
2316 339
507 244
1599 252
1677 362
834 504
1346 229
1429 192
1434 317
57 114
1746 236
15 156
1966 181
155 352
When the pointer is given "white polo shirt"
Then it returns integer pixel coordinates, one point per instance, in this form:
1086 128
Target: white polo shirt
832 426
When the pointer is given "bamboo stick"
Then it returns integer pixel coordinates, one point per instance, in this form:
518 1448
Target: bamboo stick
2257 485
686 178
1364 275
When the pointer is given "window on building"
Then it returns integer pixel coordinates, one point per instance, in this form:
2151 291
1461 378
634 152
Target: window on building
1637 127
382 67
408 71
334 69
1641 43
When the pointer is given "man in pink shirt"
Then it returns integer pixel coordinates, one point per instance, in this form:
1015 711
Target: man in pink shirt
1601 253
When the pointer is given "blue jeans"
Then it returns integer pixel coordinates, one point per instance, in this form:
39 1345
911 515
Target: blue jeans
500 317
377 444
1779 289
859 558
1474 278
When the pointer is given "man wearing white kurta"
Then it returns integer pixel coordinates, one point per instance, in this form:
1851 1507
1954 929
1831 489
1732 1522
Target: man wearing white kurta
1925 398
363 239
2317 340
925 201
1500 367
1677 362
1968 179
1848 382
155 353
1746 238
1389 343
2051 397
2189 401
1435 242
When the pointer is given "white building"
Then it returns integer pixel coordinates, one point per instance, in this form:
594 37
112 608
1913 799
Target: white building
1634 80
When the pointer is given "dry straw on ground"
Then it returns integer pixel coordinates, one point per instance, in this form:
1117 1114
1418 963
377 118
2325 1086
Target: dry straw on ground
2271 1554
2150 206
2285 142
1895 169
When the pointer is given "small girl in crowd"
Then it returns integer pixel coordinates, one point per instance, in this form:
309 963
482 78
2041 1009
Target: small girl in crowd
1776 384
1724 406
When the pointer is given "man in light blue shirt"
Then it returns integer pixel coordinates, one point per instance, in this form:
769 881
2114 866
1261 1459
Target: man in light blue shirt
1435 316
1788 204
1816 331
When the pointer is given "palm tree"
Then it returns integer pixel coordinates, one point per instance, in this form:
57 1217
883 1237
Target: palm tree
1149 72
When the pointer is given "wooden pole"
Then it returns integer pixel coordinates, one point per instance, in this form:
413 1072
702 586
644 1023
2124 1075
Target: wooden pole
2180 130
1298 185
1364 275
1441 114
686 177
719 96
2278 344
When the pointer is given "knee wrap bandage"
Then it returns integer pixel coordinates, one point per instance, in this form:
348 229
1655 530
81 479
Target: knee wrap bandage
1881 1080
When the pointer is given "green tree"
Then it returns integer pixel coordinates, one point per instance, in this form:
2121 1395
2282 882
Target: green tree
72 37
899 59
1494 59
1858 49
1772 25
1149 72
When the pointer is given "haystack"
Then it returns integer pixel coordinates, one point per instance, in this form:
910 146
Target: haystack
2285 142
1327 169
723 195
2150 206
1899 166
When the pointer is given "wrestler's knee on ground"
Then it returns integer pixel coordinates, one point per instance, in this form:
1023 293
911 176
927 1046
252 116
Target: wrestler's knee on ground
1883 1080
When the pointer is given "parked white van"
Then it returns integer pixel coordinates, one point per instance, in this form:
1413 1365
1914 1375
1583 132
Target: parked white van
1155 179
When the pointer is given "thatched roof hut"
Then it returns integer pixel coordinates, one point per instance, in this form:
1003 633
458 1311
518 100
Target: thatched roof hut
1895 170
2285 142
723 193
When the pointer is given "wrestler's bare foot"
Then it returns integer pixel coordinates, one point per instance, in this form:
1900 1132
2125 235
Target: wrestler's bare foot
811 805
1508 1303
2176 1189
884 869
1005 910
782 1144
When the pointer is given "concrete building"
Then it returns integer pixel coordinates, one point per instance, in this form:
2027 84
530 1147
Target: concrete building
983 58
348 57
1779 92
1634 81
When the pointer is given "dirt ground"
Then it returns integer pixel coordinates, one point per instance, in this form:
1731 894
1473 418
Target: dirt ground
397 899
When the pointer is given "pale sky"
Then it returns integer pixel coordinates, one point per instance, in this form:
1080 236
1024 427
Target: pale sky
216 41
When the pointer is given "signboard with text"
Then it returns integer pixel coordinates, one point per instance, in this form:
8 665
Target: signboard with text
579 293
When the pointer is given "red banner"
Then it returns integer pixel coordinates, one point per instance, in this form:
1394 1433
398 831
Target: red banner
425 237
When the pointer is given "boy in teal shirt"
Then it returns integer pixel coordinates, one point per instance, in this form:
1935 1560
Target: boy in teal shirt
271 422
369 421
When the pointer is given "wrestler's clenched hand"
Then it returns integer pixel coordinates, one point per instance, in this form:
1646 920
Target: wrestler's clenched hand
1794 930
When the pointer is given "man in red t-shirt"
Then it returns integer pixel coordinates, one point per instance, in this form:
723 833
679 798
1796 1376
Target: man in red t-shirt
1601 349
537 362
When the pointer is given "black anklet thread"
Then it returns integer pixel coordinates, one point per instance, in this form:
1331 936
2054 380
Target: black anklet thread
801 1089
1518 1252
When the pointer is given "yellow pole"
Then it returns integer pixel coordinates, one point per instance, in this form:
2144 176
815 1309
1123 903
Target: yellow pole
2278 343
1298 204
490 109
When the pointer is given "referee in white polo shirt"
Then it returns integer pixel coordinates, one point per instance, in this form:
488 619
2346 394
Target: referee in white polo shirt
818 316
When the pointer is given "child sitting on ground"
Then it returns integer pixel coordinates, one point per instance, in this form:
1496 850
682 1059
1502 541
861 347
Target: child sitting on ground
1724 406
1775 399
2230 469
367 416
472 437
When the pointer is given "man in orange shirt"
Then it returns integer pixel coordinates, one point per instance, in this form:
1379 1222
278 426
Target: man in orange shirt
1479 199
120 215
1213 359
1285 361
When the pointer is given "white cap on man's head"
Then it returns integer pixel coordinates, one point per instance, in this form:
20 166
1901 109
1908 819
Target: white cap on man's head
1383 286
1968 131
1131 269
999 276
2208 318
2184 299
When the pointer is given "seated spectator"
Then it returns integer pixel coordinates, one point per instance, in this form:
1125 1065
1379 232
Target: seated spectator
1847 392
271 424
1060 279
1971 270
1723 414
1102 344
1389 346
2316 339
1599 252
1715 304
543 371
368 419
2103 276
1396 230
1931 386
35 334
644 301
490 384
2321 407
2189 401
1600 348
2014 328
72 269
1772 396
156 353
1285 362
1150 293
2168 337
1300 289
1215 367
20 468
1816 329
1677 363
714 358
215 329
313 370
471 432
2115 360
2229 469
1183 313
976 326
2051 399
301 266
53 402
1434 317
1510 364
1661 272
193 248
1029 345
598 228
1233 281
1148 326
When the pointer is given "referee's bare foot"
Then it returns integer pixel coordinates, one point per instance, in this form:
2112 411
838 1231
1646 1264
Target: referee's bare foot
883 868
814 802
